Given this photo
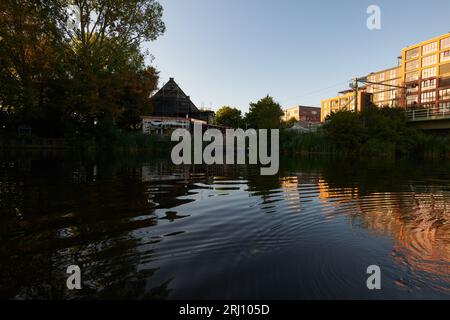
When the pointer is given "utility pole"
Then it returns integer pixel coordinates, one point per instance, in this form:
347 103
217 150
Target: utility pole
355 86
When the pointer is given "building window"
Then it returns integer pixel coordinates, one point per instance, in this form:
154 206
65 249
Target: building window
444 82
429 84
413 53
393 94
381 76
445 68
412 88
445 56
428 97
444 106
445 43
412 65
429 73
382 96
375 97
429 48
412 100
429 61
412 76
393 74
444 94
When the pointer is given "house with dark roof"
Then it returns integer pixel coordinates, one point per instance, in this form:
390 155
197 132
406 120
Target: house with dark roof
171 101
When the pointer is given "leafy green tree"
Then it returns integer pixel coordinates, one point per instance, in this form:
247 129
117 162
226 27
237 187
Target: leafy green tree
229 117
346 130
105 38
373 131
70 63
133 96
30 51
290 123
264 114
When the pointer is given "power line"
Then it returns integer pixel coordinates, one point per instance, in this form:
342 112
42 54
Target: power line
308 94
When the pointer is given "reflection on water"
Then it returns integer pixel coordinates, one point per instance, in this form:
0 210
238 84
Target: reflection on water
419 222
147 230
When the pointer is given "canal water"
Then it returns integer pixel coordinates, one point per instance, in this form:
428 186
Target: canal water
140 228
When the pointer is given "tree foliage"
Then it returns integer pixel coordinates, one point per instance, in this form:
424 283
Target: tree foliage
264 114
67 64
290 123
229 117
372 131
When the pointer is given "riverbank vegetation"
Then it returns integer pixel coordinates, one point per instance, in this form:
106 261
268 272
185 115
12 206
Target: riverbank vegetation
375 132
69 69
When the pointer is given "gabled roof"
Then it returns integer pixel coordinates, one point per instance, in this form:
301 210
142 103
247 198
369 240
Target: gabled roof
172 91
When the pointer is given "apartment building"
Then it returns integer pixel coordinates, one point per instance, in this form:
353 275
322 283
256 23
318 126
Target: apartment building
302 113
426 74
385 87
423 78
344 102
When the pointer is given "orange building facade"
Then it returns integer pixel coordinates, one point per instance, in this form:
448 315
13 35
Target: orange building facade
421 81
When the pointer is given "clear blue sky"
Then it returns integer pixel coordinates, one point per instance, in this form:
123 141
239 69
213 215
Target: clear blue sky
233 52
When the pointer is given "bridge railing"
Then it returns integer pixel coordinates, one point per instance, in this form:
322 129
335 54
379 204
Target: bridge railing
427 114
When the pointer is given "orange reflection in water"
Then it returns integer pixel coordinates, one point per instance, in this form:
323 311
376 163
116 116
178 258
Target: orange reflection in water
418 222
420 225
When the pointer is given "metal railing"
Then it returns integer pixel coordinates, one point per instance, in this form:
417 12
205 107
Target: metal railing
305 126
427 114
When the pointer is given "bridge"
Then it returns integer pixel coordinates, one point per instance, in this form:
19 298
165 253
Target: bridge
429 119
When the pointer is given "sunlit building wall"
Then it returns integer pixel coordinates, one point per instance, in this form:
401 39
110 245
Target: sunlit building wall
385 87
302 113
423 77
426 74
344 102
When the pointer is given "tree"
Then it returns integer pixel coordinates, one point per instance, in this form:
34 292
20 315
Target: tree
373 131
134 95
105 38
126 22
265 114
70 63
29 53
346 130
229 117
290 123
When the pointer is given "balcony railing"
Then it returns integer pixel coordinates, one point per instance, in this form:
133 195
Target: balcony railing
427 114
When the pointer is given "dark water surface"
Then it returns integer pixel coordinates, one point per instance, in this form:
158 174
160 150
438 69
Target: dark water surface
140 228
